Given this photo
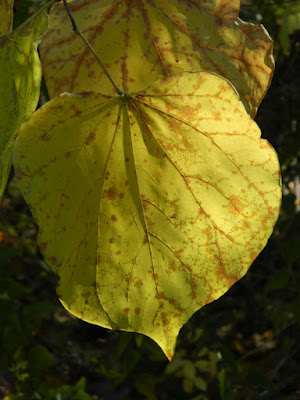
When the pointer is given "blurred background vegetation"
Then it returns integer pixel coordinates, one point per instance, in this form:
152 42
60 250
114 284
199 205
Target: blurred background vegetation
244 346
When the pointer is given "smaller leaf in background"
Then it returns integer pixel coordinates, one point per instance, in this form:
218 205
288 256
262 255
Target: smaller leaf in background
66 392
146 385
24 9
39 360
222 383
6 16
225 393
20 80
12 334
290 23
229 359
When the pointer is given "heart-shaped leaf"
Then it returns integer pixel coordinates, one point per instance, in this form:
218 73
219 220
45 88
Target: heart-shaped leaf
141 41
150 205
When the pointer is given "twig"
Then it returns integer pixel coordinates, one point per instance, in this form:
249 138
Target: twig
28 20
78 32
284 360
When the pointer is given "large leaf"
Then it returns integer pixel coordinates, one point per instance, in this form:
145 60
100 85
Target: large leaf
6 16
150 205
142 40
20 79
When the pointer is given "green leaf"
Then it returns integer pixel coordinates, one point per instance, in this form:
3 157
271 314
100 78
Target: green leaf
200 383
150 205
290 23
189 370
40 360
81 384
146 385
6 16
20 79
229 359
152 39
222 383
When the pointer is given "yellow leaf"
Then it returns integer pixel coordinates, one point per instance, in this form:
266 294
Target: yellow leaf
6 16
20 80
141 41
150 205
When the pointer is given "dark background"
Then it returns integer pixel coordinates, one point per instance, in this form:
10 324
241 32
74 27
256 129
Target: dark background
244 346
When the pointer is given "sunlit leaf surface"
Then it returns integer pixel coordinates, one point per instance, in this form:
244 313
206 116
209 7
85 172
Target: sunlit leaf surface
150 205
6 16
141 41
20 79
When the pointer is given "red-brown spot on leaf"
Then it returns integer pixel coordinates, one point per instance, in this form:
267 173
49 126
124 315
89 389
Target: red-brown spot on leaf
110 193
54 261
45 137
43 246
164 318
137 310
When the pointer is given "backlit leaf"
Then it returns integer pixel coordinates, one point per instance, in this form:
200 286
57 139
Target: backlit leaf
150 205
6 16
20 79
141 41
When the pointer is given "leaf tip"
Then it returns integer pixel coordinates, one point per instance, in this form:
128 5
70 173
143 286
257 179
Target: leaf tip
169 355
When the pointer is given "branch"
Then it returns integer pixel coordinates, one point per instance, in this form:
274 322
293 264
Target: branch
78 32
45 6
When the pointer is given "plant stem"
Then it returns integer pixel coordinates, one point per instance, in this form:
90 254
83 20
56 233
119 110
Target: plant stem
79 33
45 6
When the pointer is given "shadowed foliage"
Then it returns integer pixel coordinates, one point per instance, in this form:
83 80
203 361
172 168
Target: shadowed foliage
20 81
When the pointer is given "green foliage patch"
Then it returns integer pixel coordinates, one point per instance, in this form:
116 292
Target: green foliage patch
20 80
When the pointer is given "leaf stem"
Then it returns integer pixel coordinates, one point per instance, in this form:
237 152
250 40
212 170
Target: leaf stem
79 33
28 20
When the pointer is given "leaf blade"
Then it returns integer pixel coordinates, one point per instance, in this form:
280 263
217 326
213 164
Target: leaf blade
20 80
156 39
6 16
170 211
